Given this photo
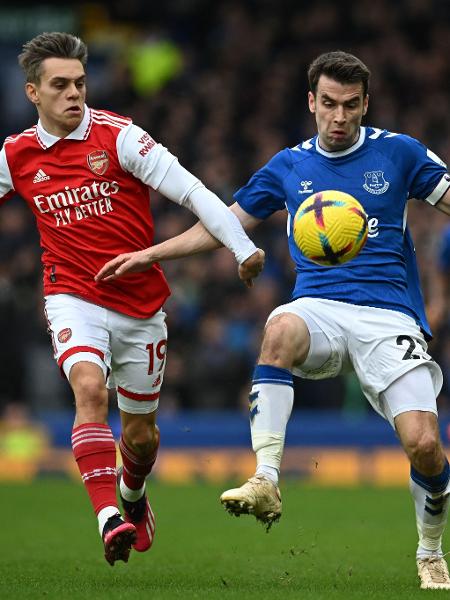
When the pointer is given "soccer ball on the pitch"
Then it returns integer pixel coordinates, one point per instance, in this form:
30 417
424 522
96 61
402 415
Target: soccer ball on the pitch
330 227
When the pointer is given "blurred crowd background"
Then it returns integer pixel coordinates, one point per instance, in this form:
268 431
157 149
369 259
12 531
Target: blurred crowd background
223 85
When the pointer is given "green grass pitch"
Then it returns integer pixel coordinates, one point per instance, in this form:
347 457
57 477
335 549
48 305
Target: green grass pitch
329 544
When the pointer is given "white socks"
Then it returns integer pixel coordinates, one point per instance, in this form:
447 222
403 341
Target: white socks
431 497
104 515
271 400
129 494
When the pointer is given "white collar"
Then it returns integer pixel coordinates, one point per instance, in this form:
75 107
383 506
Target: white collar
47 140
359 142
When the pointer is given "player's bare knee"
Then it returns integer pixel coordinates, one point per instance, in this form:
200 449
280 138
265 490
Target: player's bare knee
91 399
425 451
141 436
91 390
285 341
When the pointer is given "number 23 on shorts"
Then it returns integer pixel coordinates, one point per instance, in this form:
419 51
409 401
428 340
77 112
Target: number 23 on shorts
413 348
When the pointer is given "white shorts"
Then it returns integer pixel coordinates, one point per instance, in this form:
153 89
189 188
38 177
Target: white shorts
131 352
379 345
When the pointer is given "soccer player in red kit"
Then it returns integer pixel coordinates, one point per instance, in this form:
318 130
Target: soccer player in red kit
86 174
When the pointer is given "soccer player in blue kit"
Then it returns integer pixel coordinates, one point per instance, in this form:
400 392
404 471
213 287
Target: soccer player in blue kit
367 315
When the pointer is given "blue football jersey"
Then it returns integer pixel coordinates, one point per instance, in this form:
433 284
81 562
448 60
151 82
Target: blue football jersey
382 170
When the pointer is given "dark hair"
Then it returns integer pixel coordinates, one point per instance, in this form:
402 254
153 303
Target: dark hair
340 66
50 45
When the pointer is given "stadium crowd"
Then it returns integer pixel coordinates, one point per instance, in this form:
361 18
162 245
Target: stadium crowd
229 90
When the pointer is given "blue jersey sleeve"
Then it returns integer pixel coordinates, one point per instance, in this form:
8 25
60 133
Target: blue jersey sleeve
264 193
424 169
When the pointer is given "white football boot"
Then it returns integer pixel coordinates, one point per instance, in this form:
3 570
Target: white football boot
433 573
258 496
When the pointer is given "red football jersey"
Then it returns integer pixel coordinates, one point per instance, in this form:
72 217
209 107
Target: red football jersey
90 194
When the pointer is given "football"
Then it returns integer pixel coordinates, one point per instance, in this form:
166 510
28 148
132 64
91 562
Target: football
330 227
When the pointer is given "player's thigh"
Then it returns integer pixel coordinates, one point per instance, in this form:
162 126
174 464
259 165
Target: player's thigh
321 350
384 346
138 361
79 333
411 399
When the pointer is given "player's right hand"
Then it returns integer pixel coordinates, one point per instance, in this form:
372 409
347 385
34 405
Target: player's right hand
123 264
252 267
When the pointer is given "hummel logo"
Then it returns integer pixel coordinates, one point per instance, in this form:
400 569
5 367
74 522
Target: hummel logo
306 185
40 176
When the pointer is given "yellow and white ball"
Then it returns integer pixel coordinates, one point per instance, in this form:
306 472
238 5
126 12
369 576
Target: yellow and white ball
330 227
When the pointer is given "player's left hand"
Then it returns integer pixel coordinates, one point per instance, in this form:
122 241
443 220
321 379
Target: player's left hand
130 262
252 267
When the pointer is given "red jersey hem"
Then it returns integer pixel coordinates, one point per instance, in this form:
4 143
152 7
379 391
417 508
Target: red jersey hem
117 307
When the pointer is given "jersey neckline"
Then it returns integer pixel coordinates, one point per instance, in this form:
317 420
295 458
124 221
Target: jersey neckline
47 140
360 141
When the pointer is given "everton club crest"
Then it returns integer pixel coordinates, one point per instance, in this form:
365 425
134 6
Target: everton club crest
98 161
375 183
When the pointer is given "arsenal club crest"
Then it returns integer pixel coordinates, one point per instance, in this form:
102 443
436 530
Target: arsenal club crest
64 335
98 161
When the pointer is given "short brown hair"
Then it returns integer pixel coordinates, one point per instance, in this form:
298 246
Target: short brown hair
340 66
50 45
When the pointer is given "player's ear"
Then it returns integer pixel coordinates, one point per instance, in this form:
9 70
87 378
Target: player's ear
32 92
365 104
311 102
